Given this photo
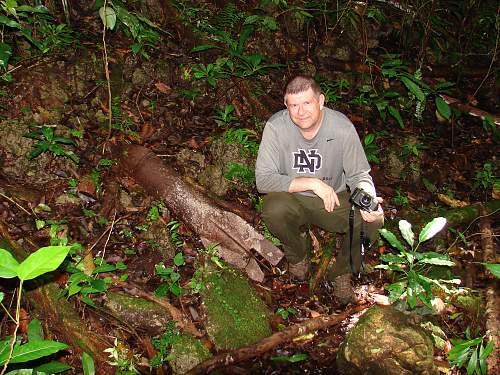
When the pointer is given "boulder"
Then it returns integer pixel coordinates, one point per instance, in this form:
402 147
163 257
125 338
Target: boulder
386 341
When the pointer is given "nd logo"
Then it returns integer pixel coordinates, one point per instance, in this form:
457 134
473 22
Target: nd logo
306 161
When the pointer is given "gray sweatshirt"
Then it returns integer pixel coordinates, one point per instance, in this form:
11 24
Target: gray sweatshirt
335 155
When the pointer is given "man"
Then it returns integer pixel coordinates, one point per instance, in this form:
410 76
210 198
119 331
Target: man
308 158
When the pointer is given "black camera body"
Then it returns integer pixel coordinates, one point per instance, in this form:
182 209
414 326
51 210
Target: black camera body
363 200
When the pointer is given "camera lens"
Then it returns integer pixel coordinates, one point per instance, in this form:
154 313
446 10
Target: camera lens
365 200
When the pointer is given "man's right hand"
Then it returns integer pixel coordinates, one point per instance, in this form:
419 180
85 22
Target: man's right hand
328 195
318 187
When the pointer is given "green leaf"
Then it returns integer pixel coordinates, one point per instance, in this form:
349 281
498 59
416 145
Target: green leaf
392 258
432 228
406 232
9 22
494 268
179 259
2 295
436 259
8 265
413 88
471 366
88 364
5 54
35 331
443 107
33 350
45 259
412 291
108 17
176 289
391 238
395 113
53 367
396 290
203 47
293 358
487 350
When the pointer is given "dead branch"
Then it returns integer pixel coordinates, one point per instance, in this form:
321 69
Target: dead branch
473 111
271 342
199 212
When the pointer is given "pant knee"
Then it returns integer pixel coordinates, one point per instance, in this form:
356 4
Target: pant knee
281 207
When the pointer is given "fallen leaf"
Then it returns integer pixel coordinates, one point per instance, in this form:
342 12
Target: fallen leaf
161 87
454 203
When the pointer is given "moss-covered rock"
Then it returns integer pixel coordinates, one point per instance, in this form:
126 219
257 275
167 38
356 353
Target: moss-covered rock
386 341
236 316
138 312
186 353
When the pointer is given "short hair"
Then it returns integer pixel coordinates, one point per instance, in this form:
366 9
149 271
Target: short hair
300 84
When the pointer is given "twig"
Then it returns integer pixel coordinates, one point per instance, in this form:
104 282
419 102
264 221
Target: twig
14 334
182 322
17 204
107 239
272 341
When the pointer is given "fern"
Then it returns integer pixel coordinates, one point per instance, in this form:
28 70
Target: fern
229 17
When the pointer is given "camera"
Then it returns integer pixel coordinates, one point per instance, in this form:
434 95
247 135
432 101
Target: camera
363 200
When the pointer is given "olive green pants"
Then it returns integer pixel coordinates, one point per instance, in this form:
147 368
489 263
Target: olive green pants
285 213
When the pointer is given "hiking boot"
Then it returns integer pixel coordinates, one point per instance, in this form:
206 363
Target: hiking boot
343 290
299 271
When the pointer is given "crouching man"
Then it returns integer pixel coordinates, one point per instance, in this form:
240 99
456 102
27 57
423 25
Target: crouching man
309 157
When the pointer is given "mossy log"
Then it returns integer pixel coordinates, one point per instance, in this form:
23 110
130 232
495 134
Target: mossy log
234 235
51 306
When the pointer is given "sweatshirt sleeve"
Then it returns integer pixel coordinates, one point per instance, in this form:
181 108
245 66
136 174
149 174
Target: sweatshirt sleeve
356 166
268 176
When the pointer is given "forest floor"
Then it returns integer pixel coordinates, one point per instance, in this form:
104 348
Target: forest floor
425 168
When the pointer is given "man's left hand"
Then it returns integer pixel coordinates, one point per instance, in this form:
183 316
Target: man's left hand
371 216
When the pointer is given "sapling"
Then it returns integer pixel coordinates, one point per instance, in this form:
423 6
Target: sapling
411 265
45 259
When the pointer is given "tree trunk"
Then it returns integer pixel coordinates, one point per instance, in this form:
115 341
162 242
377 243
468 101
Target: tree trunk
234 235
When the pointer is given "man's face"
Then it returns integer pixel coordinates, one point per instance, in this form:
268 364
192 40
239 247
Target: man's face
305 109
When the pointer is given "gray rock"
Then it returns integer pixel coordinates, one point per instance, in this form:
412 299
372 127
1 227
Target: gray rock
386 341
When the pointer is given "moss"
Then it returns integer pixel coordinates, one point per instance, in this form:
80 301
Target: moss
186 353
236 315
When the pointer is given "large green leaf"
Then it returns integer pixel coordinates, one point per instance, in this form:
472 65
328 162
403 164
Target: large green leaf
45 259
88 364
471 366
53 367
443 107
8 265
432 228
413 88
33 350
436 259
108 17
391 238
406 232
494 268
395 113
